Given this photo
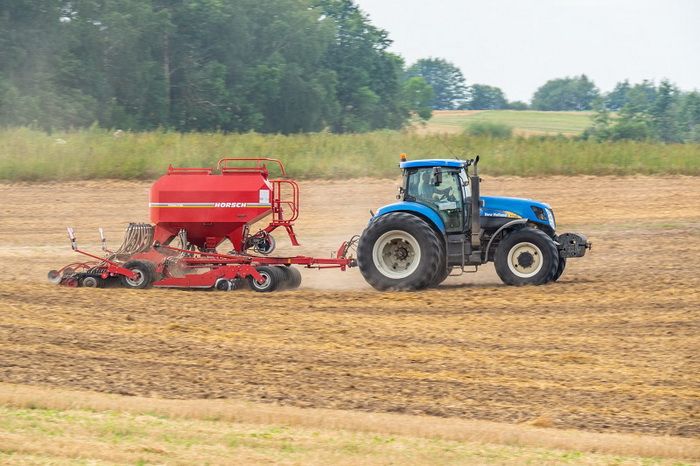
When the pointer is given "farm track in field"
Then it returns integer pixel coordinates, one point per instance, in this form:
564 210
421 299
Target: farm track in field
612 347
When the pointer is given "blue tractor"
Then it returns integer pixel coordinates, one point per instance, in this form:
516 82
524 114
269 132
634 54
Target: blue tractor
442 223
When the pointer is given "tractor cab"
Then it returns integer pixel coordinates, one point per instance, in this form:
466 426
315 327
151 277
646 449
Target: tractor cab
443 189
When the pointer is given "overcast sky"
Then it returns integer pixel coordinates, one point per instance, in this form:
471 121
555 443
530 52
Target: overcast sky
518 45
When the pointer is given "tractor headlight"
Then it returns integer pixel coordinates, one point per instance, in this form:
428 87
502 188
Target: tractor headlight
545 215
540 213
552 220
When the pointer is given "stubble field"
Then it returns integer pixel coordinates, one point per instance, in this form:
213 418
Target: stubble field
612 347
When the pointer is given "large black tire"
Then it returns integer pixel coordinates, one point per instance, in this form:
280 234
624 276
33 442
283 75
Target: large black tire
292 277
560 269
274 277
146 275
526 257
91 282
443 271
399 251
441 276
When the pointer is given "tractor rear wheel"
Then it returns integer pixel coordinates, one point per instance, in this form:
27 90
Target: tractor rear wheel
441 276
145 274
443 271
399 251
526 257
273 278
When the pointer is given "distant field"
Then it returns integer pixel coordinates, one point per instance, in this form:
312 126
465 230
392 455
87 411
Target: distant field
28 155
524 123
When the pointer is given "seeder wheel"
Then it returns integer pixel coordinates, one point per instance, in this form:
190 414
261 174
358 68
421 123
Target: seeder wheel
90 282
292 277
223 284
70 282
145 274
273 278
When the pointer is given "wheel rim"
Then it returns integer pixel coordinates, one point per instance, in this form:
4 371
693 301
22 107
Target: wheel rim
525 260
90 282
264 285
396 254
223 284
270 246
138 280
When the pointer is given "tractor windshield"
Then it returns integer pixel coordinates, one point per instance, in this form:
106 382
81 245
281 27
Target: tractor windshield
441 190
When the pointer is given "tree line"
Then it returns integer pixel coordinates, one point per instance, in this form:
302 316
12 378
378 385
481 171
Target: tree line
642 111
282 66
646 111
230 65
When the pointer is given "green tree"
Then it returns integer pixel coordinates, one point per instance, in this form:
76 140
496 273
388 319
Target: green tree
664 113
689 120
600 130
577 93
446 80
368 76
635 119
483 97
418 96
517 105
33 59
245 65
232 65
617 98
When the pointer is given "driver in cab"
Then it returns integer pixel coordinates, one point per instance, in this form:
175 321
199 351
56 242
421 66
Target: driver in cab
429 192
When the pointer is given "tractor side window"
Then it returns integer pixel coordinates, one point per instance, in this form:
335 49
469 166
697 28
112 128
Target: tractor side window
444 197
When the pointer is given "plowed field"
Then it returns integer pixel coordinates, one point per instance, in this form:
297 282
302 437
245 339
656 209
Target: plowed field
612 347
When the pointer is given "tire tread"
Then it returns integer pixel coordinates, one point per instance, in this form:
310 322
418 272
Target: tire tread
500 259
365 247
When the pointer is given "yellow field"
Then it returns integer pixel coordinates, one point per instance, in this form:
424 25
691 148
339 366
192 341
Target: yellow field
610 348
50 426
523 122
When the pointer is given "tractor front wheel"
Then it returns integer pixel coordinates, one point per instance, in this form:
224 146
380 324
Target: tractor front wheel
399 251
526 257
560 269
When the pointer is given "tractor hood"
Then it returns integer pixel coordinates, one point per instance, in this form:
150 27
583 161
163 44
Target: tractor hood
514 207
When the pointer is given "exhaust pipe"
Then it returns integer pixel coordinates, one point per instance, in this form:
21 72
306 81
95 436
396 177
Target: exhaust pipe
475 208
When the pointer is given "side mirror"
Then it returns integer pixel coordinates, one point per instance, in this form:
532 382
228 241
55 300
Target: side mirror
436 179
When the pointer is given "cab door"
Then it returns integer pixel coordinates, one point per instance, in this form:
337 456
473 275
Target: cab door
449 201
